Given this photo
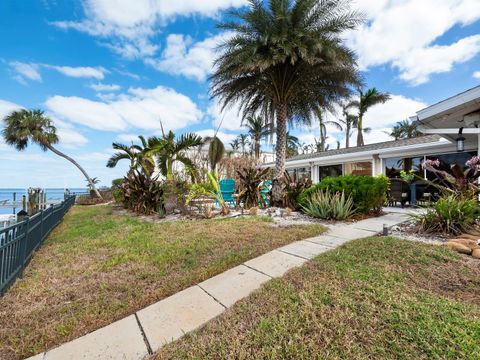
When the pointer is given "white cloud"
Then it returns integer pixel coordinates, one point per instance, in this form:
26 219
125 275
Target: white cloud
105 87
476 75
184 57
80 71
127 138
69 137
6 107
129 25
139 108
400 32
25 71
226 138
229 118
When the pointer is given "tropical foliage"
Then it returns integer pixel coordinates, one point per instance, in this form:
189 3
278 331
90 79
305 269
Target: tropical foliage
250 182
24 126
327 205
405 129
293 189
258 131
286 59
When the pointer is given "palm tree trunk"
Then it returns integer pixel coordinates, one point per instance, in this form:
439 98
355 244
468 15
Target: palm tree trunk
347 136
280 154
257 148
92 185
360 132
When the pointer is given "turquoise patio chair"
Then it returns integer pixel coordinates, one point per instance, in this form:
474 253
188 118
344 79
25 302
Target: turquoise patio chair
264 190
227 188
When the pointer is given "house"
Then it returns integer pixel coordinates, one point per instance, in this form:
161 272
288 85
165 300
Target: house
452 129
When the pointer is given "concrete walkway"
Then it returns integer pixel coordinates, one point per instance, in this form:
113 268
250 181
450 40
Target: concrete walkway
138 335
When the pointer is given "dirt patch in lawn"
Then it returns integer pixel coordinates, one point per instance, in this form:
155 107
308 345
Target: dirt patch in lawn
98 267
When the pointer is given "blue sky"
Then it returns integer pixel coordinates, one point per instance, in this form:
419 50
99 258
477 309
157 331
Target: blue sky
108 70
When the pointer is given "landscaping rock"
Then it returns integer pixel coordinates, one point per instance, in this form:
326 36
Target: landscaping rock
476 253
472 244
462 249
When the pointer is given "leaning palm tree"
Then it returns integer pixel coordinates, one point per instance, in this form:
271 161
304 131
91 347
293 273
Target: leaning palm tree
243 142
321 144
22 126
366 100
286 58
258 131
167 150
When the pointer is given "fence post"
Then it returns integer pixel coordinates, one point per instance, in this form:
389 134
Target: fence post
25 245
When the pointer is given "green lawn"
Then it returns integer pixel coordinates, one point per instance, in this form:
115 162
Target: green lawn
375 298
98 267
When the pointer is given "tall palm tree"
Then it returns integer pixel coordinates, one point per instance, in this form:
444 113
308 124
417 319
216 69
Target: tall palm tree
22 126
167 151
348 122
366 100
405 130
286 58
243 142
321 144
136 154
258 131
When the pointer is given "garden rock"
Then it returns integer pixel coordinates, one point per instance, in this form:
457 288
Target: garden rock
472 244
476 253
462 249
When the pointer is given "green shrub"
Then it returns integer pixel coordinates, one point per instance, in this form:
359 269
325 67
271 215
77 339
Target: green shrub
326 205
368 193
450 215
117 191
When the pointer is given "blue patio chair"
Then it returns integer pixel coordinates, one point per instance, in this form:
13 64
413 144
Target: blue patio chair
265 187
227 188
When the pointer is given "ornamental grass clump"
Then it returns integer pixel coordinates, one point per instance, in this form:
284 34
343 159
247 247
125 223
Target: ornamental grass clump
326 205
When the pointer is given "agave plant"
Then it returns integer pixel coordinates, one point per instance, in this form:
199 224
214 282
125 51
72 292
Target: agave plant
329 206
250 180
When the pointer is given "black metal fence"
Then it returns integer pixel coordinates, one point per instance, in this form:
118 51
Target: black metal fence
18 242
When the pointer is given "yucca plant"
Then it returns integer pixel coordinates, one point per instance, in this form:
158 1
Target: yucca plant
329 206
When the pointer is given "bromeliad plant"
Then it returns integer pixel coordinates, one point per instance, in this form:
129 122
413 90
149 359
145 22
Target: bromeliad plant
249 182
453 180
292 190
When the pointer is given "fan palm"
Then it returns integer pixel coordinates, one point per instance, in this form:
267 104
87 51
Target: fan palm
24 126
258 131
367 99
286 58
167 150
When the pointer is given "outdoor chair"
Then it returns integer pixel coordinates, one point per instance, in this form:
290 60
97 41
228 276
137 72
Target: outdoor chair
227 188
399 192
265 188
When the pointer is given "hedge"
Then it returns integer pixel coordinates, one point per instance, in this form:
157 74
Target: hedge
368 193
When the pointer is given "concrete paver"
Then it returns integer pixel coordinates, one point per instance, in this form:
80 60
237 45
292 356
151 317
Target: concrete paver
275 263
119 340
304 249
234 284
170 318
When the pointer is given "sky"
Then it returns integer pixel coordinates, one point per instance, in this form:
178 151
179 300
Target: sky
109 70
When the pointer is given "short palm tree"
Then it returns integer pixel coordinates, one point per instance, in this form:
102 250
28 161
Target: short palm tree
24 126
167 151
286 58
258 130
366 100
243 142
136 154
235 145
321 144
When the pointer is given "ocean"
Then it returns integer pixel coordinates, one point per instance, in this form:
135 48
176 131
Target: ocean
53 195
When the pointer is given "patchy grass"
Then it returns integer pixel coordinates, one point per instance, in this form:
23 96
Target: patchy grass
97 267
375 298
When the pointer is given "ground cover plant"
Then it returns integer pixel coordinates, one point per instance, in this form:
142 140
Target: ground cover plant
98 267
374 298
368 193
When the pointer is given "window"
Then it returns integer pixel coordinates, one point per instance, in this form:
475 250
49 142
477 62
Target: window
332 171
395 165
359 168
298 174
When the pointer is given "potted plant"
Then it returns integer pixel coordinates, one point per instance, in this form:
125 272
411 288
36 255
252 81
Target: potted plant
409 177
